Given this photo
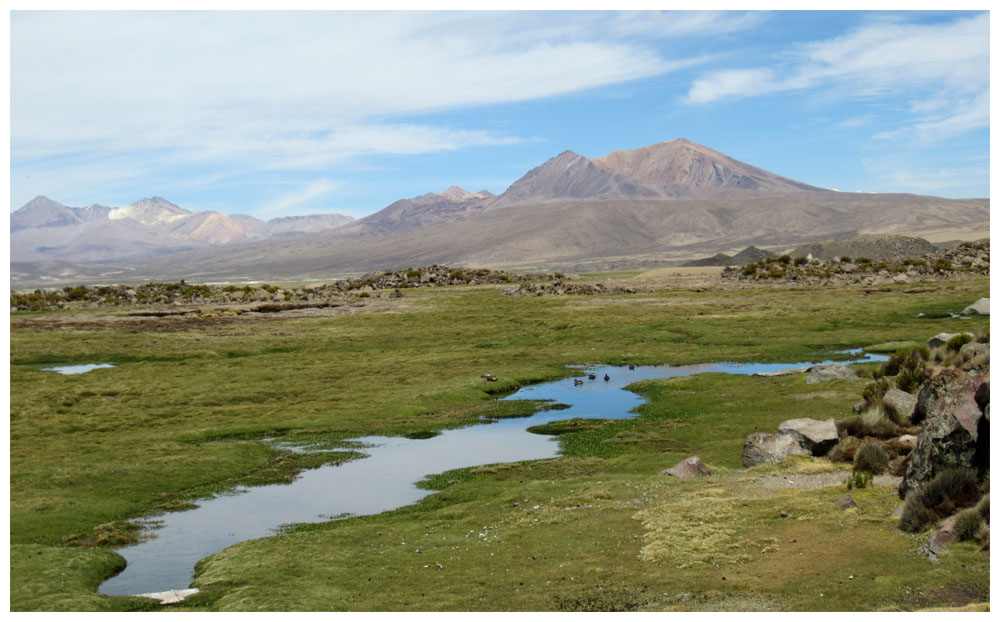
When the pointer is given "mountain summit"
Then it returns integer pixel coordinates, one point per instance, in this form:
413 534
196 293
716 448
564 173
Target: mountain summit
673 169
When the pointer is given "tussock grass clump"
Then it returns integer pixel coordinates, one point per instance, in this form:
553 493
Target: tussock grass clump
859 480
984 508
871 458
955 343
845 449
968 525
938 498
875 390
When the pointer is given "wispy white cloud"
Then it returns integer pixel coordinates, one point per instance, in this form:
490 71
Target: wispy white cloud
271 91
946 63
292 202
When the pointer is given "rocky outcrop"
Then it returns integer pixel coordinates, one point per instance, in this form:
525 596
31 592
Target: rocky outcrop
687 468
979 307
816 437
560 288
904 403
907 264
955 431
830 371
764 448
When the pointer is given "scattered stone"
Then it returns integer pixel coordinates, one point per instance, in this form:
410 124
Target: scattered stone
904 403
907 440
979 307
845 501
764 448
816 437
830 371
687 468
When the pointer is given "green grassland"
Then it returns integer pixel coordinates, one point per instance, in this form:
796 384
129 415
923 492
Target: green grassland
182 414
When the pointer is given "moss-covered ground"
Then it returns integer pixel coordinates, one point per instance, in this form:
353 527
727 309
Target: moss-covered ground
182 414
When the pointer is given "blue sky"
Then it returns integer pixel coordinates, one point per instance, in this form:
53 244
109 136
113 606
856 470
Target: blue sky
275 114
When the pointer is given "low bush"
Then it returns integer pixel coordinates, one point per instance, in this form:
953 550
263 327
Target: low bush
874 391
984 508
938 498
955 343
871 458
845 449
967 525
859 479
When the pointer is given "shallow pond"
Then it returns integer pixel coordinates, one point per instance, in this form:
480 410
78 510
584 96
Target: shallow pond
68 370
386 478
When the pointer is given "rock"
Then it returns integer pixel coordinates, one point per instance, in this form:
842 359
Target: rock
908 440
764 448
687 468
955 431
904 403
942 536
974 349
830 371
979 307
783 372
939 340
845 501
816 437
900 279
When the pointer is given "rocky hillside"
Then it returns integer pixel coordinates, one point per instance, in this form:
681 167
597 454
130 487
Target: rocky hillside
923 419
969 258
428 209
190 293
878 247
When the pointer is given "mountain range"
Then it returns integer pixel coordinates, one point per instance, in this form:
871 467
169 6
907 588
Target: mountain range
44 230
661 204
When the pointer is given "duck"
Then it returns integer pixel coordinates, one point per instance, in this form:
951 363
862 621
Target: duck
592 376
631 367
577 382
606 377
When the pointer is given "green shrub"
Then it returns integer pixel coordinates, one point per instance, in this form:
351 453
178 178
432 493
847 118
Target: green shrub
955 343
942 265
785 259
967 525
801 261
984 508
859 479
845 259
871 458
938 498
863 260
875 391
909 379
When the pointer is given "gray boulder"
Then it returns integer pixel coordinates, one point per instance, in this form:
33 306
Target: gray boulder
764 448
940 339
974 348
904 403
979 307
687 468
816 437
955 432
830 371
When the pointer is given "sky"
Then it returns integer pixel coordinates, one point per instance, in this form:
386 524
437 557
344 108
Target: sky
286 113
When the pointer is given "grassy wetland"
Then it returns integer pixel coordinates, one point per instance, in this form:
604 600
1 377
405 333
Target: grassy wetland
183 413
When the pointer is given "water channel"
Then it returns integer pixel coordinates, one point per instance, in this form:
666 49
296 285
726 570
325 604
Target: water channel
386 478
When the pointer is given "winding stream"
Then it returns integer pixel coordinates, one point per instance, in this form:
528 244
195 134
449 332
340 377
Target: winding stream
386 478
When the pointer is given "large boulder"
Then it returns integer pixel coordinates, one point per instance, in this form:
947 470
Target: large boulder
687 468
830 371
940 339
979 307
955 432
815 436
904 403
764 448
